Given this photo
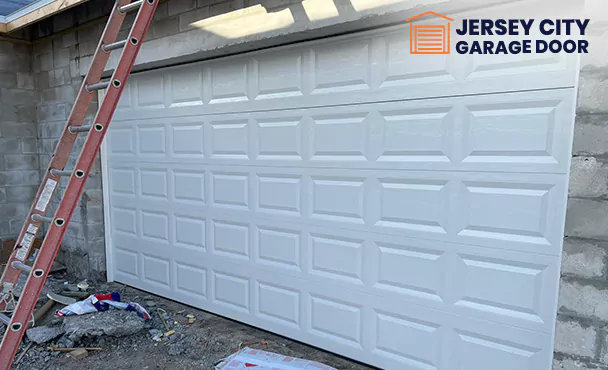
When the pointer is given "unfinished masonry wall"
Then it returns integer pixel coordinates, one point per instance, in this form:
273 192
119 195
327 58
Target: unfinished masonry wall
582 328
18 145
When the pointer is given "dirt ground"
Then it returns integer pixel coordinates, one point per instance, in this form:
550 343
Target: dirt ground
197 346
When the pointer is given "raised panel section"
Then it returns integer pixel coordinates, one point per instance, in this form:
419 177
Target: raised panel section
229 82
411 271
419 205
403 69
229 139
189 186
188 139
336 258
156 269
150 88
338 198
151 139
280 75
480 352
523 211
121 141
279 193
336 320
155 225
125 262
510 133
280 139
186 86
191 279
231 239
417 135
231 290
501 287
410 341
330 74
125 220
279 247
279 303
230 189
154 183
123 180
339 137
190 231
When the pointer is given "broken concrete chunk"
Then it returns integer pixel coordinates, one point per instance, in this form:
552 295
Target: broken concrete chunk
113 323
43 334
79 353
177 348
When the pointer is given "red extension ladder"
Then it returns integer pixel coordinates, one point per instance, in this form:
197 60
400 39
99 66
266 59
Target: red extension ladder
22 314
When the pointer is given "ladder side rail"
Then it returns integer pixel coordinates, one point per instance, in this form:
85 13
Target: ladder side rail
63 149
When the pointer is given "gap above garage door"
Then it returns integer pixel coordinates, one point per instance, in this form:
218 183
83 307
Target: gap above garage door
405 211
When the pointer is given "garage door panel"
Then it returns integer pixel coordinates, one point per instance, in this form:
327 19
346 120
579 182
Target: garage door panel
433 205
502 286
311 74
403 336
404 210
520 132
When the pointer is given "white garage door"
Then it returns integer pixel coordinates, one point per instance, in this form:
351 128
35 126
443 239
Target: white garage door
400 210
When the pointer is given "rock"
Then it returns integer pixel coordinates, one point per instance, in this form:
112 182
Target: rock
113 323
43 334
154 332
65 342
177 348
149 304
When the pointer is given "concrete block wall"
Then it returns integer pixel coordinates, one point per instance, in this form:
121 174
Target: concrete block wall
19 160
582 327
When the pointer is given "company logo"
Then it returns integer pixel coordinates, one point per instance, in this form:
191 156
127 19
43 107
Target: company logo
434 38
430 38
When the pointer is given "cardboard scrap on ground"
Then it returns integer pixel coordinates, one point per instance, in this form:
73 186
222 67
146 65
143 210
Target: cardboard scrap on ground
255 359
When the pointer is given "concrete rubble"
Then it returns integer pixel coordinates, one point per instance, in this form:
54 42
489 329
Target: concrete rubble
113 323
43 334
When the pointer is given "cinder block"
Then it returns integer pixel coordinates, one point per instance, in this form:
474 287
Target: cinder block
587 218
69 39
61 57
8 178
54 112
21 193
20 161
60 76
571 364
18 97
25 80
8 79
47 130
187 19
164 28
46 61
29 145
593 90
584 258
584 300
180 6
2 195
8 210
591 135
588 178
32 177
18 129
10 145
26 114
574 338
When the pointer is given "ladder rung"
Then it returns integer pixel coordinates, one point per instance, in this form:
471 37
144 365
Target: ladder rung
39 218
82 128
56 173
5 319
114 46
130 7
21 266
97 86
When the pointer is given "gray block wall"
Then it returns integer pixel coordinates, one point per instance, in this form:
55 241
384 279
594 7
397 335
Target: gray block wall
19 162
582 328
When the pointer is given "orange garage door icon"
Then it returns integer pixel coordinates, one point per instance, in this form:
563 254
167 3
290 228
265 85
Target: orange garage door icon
430 38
